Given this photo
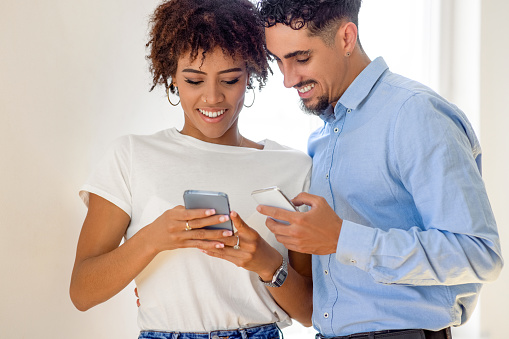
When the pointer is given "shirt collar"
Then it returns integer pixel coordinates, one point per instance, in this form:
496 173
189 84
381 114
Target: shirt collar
358 90
363 83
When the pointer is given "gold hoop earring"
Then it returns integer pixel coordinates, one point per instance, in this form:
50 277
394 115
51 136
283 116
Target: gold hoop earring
168 96
254 97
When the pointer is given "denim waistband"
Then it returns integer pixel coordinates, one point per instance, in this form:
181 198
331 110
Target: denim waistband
268 331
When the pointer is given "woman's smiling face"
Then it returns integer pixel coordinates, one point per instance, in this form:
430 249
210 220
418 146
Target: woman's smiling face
212 94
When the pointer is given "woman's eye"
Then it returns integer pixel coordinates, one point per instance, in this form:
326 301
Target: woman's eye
189 81
231 82
303 61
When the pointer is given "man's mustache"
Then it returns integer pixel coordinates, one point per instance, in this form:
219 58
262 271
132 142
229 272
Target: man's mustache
304 83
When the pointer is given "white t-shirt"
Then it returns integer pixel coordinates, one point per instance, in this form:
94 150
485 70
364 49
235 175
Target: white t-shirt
186 290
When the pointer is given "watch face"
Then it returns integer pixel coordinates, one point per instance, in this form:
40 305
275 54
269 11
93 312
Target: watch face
281 274
281 277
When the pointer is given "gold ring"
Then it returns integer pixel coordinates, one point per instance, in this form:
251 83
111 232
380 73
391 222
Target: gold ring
188 228
236 247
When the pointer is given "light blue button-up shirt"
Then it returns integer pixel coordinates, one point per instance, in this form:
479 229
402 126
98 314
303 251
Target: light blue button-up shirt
401 166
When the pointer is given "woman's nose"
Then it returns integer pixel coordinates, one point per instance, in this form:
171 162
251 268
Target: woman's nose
213 95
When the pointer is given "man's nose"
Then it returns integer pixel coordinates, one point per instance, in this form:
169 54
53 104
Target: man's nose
291 78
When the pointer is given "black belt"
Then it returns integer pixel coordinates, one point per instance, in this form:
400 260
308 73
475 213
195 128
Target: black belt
397 334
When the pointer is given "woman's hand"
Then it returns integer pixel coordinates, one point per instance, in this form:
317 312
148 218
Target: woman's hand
256 255
253 252
103 266
183 228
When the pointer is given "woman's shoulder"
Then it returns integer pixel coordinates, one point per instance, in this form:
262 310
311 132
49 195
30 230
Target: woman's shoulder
271 145
276 146
128 140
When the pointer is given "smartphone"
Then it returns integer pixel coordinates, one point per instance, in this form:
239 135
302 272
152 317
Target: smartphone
194 199
274 197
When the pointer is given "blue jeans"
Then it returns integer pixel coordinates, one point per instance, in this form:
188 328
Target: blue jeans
270 331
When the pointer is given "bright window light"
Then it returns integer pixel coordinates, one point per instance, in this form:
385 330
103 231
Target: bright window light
398 30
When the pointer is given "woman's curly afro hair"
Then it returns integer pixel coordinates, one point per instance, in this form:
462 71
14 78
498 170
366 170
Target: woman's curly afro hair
191 26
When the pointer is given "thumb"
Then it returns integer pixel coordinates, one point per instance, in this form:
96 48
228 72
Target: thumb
302 198
240 225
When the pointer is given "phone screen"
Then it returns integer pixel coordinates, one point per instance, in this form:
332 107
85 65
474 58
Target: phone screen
196 199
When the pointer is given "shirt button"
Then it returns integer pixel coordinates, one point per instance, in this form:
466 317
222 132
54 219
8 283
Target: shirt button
326 272
336 130
353 261
349 110
327 176
326 315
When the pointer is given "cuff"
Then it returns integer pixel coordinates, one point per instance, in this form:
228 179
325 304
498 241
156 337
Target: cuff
355 245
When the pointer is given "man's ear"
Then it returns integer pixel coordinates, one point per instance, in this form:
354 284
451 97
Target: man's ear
346 37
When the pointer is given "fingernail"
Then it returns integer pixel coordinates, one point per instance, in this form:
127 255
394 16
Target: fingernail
203 251
227 233
220 246
258 208
210 212
223 218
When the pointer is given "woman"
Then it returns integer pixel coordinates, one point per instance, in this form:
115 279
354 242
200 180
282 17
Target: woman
193 281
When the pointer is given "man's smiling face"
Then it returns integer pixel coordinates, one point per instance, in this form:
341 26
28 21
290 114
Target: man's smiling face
317 71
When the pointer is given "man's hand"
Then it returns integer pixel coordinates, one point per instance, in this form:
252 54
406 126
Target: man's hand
137 297
315 231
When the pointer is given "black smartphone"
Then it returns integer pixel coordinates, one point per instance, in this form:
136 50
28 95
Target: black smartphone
194 199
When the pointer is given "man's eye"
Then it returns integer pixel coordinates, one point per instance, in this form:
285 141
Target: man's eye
189 81
303 61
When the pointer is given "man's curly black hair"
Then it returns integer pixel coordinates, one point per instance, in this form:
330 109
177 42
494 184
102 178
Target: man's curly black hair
319 16
191 26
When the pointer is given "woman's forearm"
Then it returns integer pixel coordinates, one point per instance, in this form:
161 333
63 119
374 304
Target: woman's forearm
295 296
97 279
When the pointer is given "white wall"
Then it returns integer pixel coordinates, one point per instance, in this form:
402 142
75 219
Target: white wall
73 77
494 124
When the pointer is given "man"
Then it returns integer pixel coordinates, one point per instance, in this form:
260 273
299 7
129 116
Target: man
400 225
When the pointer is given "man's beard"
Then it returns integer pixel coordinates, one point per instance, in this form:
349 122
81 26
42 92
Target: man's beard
316 109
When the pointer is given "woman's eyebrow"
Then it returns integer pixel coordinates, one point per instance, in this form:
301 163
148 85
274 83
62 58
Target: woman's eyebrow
230 70
190 70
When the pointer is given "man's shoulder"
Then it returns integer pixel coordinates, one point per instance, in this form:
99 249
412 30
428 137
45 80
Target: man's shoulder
406 87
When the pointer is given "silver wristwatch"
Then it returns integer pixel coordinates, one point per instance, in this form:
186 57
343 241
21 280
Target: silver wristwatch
279 276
